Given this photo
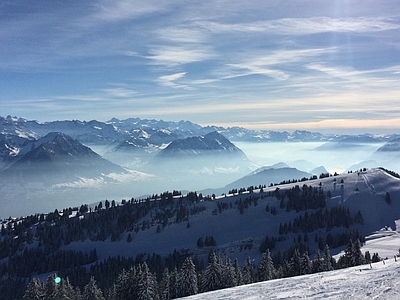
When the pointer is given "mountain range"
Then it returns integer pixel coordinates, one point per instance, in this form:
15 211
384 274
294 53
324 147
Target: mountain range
125 158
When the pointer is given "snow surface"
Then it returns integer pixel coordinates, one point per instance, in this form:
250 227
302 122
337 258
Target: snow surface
379 281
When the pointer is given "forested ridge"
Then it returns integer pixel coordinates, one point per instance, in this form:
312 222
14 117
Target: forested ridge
33 245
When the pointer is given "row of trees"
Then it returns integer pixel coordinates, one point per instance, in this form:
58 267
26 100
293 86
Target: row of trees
140 283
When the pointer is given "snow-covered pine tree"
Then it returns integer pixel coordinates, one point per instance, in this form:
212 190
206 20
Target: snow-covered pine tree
305 264
165 286
211 278
91 291
295 264
358 258
238 272
187 279
34 290
126 284
228 274
266 269
147 288
327 259
248 271
50 288
67 291
173 283
316 265
348 255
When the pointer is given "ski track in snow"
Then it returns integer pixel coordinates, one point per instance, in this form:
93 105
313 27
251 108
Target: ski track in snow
369 185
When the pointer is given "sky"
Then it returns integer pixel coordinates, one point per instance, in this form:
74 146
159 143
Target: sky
328 66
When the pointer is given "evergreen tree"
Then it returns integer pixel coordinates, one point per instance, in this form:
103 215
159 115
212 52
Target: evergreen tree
147 288
316 265
228 274
248 271
348 255
295 264
66 291
211 279
266 269
238 272
34 290
358 258
165 285
187 280
91 291
50 288
305 267
327 259
126 284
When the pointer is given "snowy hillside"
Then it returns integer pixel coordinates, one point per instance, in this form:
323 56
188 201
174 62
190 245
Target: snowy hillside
294 221
240 232
382 281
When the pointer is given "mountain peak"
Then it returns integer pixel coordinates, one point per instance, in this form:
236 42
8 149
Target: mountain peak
212 142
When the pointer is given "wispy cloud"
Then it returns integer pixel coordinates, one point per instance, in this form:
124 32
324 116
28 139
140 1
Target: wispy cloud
303 26
118 10
120 92
178 55
170 80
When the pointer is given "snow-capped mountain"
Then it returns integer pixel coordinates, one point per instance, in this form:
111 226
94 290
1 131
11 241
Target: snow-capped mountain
160 132
58 164
212 143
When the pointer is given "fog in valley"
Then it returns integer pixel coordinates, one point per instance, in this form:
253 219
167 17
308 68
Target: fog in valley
147 172
306 156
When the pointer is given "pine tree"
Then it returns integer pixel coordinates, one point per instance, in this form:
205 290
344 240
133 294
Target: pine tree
305 264
50 288
228 274
187 279
348 255
67 291
316 265
147 286
126 284
358 258
211 278
34 290
238 272
91 291
266 269
327 259
295 264
248 271
165 285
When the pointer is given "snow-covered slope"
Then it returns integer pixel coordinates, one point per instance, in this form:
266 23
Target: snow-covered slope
376 281
382 281
241 234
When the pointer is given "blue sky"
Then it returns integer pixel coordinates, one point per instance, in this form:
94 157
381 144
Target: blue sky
282 65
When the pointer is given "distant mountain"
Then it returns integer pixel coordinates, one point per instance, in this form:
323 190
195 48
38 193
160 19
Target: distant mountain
262 176
157 133
319 170
210 144
59 154
392 146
